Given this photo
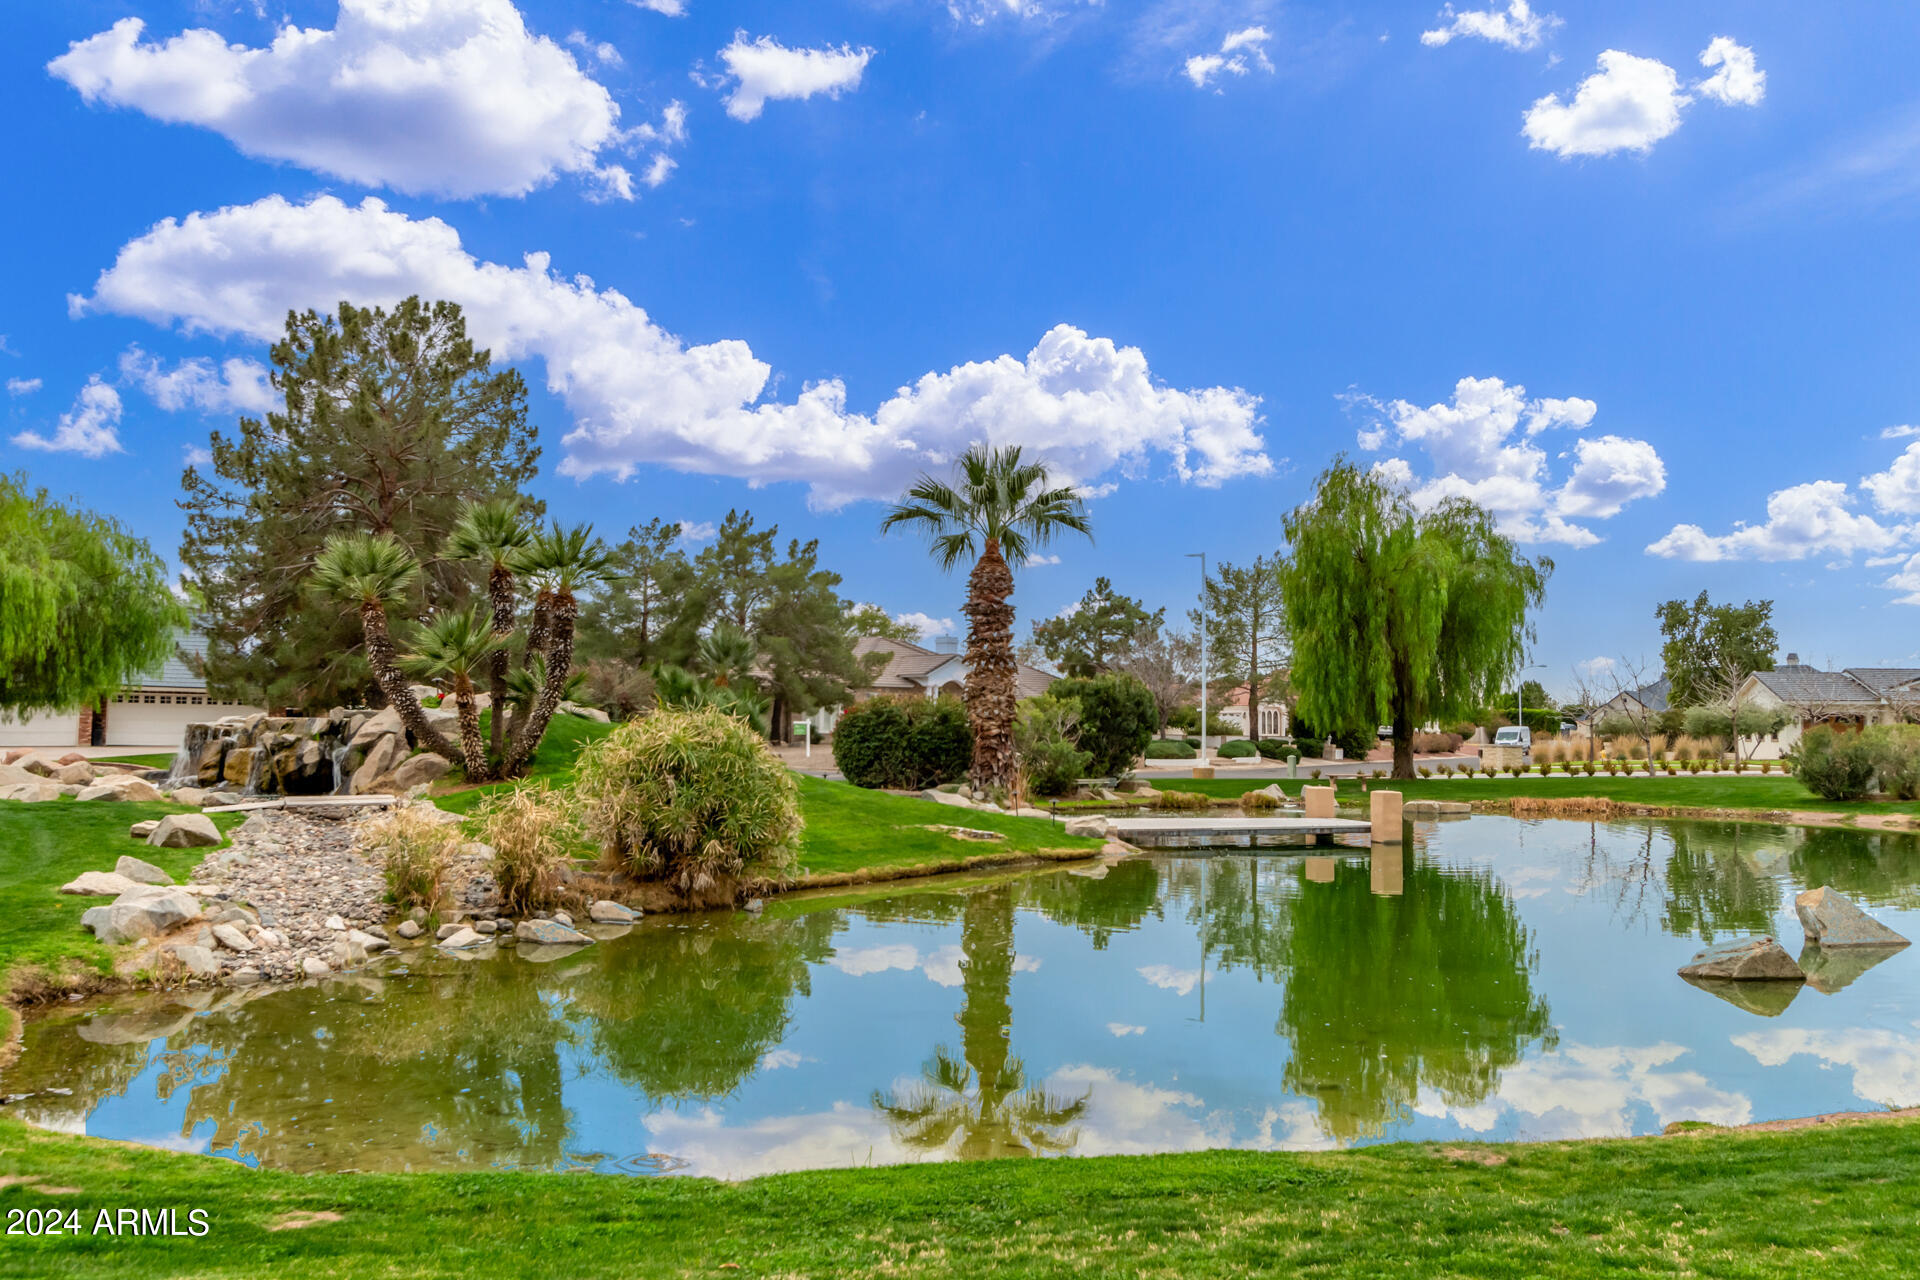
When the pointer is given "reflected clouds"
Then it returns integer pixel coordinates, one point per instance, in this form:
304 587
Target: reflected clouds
1885 1063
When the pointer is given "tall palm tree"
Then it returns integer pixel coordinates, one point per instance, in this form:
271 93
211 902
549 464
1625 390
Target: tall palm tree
997 509
562 561
496 534
373 571
455 647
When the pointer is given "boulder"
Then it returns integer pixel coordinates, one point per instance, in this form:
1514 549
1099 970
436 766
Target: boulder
104 884
485 926
1758 959
245 977
382 756
605 912
384 722
1095 827
448 930
12 775
418 771
269 938
444 719
1436 808
953 798
549 933
421 692
462 938
561 917
143 872
140 912
585 712
409 930
75 774
195 796
141 830
38 763
220 799
125 788
367 942
32 792
197 961
184 831
315 967
1831 920
230 937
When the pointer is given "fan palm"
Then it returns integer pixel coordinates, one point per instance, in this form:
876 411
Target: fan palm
727 654
495 533
372 572
562 561
455 647
997 509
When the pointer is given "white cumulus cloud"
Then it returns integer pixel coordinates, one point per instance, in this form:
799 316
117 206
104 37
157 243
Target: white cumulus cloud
926 624
237 385
695 532
22 386
91 428
1802 520
1739 80
1897 489
640 395
1517 26
434 97
1483 444
765 70
599 50
1241 52
671 8
1631 103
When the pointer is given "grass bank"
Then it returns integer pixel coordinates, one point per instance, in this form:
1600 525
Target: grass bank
1829 1200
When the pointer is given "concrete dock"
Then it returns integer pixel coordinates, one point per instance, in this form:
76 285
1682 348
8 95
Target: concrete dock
1202 827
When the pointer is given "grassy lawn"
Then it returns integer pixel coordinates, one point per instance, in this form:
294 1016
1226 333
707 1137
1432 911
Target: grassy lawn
42 846
157 761
1830 1200
849 828
1759 793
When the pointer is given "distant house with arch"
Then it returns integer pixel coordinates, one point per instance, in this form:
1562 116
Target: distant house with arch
1233 710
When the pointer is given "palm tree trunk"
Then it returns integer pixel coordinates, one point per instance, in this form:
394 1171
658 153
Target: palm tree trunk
380 656
500 594
526 737
990 668
472 745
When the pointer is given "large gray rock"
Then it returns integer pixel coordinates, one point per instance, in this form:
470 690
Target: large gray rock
367 942
101 884
126 789
230 937
315 967
950 798
1095 826
141 830
145 872
605 912
549 933
1758 959
585 712
195 796
409 930
382 756
1831 920
461 939
383 722
198 961
418 771
140 913
31 792
184 831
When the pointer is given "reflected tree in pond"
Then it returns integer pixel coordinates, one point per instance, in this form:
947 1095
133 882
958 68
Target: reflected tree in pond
979 1106
688 1011
1717 884
1386 995
1101 906
1879 868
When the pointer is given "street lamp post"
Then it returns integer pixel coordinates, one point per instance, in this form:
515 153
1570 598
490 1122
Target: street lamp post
1520 691
1201 556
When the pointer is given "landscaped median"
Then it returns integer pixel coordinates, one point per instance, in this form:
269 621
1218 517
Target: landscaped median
1832 1199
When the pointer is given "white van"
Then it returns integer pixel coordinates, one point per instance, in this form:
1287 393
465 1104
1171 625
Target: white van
1513 735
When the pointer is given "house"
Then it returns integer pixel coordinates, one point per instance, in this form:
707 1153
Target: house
910 669
1648 699
1273 713
1854 697
155 712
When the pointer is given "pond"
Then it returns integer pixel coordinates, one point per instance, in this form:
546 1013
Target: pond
1497 979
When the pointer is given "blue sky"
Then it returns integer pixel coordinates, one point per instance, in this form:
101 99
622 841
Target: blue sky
1656 312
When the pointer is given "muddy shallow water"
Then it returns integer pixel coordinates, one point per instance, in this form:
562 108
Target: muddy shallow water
1497 979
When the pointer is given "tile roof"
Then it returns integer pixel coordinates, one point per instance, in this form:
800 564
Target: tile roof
909 664
1803 684
1887 681
1653 696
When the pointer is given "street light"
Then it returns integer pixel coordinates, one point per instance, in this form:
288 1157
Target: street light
1201 556
1520 691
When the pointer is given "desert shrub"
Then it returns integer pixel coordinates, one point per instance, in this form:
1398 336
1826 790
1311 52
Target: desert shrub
1117 719
1895 751
619 688
1465 729
1766 767
1046 739
906 743
414 851
1238 749
1181 800
1258 801
1437 743
687 796
1425 772
533 835
1314 774
1446 771
1170 749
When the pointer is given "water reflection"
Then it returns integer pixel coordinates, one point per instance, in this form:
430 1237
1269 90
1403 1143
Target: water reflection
1495 978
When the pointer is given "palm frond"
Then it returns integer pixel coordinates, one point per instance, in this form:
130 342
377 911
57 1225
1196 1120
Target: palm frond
451 645
364 568
493 532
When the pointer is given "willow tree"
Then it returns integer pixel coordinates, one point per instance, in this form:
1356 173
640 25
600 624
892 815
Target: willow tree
84 605
997 508
1401 616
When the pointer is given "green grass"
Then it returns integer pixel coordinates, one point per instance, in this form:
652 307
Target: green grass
552 763
1832 1200
1757 793
158 761
850 829
42 846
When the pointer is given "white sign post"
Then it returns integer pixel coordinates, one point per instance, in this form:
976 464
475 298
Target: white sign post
805 728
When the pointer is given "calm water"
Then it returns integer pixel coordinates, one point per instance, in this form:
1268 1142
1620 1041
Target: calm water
1500 979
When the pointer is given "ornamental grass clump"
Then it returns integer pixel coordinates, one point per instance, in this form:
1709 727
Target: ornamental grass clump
415 852
533 835
1181 800
689 796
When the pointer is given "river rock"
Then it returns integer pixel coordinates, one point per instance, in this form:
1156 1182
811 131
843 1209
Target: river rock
269 938
1758 959
230 937
367 942
420 770
447 930
605 912
197 961
336 924
220 799
409 929
1833 921
549 933
562 918
101 884
462 938
245 977
31 792
125 788
142 872
141 830
315 967
1095 826
184 831
485 926
140 912
195 796
384 754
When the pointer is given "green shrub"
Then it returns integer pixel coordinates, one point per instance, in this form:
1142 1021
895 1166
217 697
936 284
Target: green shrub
1238 749
1766 767
1192 742
1117 720
1170 749
689 796
1895 751
415 853
906 743
1045 735
1181 800
1273 748
1834 766
533 834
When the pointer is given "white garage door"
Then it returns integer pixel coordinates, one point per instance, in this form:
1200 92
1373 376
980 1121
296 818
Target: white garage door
161 719
61 730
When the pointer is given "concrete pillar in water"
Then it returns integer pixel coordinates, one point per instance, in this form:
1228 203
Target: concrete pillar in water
1389 869
1320 870
1318 801
1386 817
